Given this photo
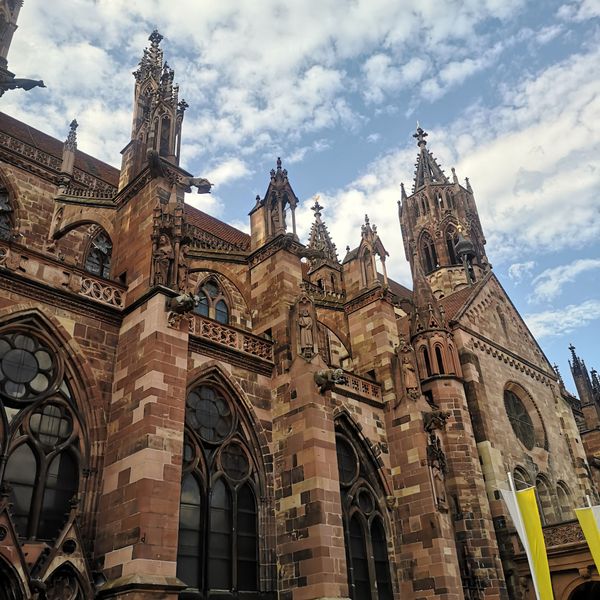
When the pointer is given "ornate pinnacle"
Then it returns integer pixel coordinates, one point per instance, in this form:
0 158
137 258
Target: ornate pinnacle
420 136
279 163
155 38
71 141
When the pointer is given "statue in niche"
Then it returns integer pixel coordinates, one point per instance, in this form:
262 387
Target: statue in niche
408 372
305 323
163 258
183 268
438 468
409 375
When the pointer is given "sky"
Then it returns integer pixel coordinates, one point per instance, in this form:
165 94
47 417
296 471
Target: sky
508 90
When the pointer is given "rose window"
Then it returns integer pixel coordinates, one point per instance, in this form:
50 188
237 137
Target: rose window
235 462
209 414
26 367
519 419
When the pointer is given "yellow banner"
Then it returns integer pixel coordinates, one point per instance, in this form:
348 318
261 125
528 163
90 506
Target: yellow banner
535 540
589 518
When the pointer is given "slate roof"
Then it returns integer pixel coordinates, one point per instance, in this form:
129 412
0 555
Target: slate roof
218 228
47 143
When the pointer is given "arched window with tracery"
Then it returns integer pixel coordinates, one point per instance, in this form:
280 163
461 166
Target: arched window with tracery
565 503
428 254
218 519
99 255
451 241
367 559
6 215
212 301
41 433
544 497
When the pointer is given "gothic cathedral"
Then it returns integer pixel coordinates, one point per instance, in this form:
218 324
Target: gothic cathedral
188 411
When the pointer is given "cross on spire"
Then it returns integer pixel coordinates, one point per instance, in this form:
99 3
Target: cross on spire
317 208
420 135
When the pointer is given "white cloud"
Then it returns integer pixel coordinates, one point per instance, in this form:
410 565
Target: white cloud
227 171
549 283
208 203
298 154
580 10
552 323
517 271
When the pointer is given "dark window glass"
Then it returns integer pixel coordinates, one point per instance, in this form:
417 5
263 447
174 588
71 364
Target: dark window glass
165 133
440 360
202 306
212 289
61 486
247 563
219 553
235 462
519 419
347 461
360 564
451 241
380 555
222 312
209 414
99 256
426 361
21 472
51 424
5 216
189 549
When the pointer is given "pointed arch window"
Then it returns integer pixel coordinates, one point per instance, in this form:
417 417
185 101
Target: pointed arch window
212 302
544 498
451 241
428 254
563 495
367 561
99 255
41 434
218 523
6 215
440 360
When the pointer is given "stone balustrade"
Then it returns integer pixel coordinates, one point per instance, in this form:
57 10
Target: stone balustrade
49 270
231 337
360 387
318 293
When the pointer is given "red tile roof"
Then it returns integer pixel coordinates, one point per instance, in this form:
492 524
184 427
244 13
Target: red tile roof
51 145
230 234
396 288
454 302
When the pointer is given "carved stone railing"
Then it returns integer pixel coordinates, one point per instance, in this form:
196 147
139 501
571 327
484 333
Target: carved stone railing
231 337
50 271
568 532
86 194
317 293
358 386
102 291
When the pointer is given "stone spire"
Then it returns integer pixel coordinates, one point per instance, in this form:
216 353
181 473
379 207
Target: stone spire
157 114
581 378
427 313
320 241
68 155
427 169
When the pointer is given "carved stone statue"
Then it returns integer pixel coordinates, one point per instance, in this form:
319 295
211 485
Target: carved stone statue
436 419
409 375
183 268
327 378
163 259
305 323
438 467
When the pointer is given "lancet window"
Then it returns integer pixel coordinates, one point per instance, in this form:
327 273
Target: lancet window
40 433
218 524
212 301
364 532
6 215
451 241
99 255
428 254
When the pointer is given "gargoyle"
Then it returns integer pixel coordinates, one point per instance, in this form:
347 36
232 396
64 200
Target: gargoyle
436 419
202 185
327 378
183 303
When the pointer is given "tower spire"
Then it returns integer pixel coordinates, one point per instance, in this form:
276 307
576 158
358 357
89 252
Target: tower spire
320 241
427 169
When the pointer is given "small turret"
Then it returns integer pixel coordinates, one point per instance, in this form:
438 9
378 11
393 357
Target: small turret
68 155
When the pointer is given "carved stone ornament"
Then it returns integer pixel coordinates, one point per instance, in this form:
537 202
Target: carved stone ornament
163 261
327 378
436 419
438 467
63 586
183 268
407 369
305 328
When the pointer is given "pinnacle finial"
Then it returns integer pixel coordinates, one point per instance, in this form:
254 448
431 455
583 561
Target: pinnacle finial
71 141
279 163
420 136
155 38
317 208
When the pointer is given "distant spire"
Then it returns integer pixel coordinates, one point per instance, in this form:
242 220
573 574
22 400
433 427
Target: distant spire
427 169
320 240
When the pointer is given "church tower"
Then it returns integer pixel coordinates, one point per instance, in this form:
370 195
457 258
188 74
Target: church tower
440 226
157 113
